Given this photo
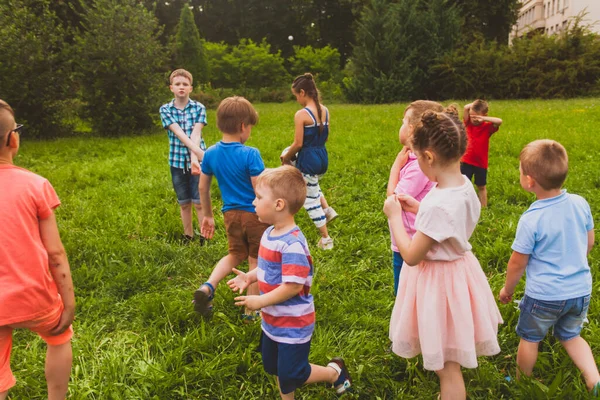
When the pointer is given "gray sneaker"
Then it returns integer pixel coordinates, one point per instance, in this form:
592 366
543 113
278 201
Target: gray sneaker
330 214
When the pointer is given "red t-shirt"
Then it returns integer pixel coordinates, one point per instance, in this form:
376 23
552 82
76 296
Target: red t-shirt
27 289
478 143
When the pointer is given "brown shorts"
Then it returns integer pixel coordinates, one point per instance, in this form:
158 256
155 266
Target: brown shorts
244 232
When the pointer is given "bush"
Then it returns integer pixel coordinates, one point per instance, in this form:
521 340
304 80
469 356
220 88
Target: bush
541 66
324 63
35 75
120 66
189 50
211 97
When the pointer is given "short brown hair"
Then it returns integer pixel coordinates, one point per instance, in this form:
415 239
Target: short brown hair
7 120
286 182
480 106
233 112
547 162
441 132
419 107
181 72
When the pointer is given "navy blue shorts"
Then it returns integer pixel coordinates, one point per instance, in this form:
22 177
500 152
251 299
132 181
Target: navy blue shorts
186 186
289 362
469 170
538 316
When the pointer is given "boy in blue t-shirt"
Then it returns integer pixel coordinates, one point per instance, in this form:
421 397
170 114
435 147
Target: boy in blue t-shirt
184 119
236 168
284 276
554 237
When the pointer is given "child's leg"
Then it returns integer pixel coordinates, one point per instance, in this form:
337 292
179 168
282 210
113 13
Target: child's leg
452 385
7 379
3 395
58 370
186 219
324 204
252 289
221 270
287 396
581 354
482 194
526 357
199 216
312 204
319 373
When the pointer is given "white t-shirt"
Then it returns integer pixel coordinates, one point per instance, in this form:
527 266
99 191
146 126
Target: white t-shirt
449 217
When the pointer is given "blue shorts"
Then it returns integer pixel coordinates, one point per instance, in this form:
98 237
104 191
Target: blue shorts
480 174
289 362
185 185
538 316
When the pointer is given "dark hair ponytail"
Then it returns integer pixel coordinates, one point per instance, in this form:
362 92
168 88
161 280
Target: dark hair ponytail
441 132
306 82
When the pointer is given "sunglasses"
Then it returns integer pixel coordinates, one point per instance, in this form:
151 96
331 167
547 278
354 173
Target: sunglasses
18 129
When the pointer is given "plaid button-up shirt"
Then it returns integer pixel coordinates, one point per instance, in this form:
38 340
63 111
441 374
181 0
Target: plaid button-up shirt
192 114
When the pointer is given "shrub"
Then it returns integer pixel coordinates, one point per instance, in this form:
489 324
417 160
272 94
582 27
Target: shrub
120 66
324 63
189 50
35 75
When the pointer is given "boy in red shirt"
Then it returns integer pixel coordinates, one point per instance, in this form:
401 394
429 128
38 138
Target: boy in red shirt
36 290
480 128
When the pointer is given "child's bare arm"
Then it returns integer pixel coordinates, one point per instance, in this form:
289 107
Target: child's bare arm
496 121
196 137
467 113
208 222
298 137
60 271
591 240
516 267
176 129
399 162
284 292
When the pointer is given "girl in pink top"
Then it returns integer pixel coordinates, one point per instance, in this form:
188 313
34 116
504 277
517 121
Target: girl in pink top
406 177
444 308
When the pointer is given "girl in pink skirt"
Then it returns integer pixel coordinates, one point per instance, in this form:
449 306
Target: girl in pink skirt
444 308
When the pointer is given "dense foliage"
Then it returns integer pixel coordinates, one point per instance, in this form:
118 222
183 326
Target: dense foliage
189 50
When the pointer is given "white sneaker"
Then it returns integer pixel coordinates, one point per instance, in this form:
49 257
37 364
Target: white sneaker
325 243
330 214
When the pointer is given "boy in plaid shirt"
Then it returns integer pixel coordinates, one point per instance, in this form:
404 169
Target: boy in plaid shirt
184 119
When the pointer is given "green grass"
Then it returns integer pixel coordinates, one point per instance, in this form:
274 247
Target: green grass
136 336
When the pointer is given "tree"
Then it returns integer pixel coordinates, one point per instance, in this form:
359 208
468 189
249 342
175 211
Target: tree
395 44
489 19
120 66
35 75
189 51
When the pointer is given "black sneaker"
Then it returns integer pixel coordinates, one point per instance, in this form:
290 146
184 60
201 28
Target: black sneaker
343 383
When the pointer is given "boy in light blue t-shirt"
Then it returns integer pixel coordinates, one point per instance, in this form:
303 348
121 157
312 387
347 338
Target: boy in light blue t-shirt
554 237
236 167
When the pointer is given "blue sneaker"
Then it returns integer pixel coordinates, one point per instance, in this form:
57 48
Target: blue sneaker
343 383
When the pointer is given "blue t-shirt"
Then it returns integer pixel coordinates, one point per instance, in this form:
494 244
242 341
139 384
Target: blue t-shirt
554 232
234 164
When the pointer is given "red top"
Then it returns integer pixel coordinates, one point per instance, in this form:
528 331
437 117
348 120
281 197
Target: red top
478 143
27 290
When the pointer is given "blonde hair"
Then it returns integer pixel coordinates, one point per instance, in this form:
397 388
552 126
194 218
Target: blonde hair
181 72
286 182
233 112
546 161
7 121
419 107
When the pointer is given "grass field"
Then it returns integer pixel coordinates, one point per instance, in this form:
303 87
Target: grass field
137 336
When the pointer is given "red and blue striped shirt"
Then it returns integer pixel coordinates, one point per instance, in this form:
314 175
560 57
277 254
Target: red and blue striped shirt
286 259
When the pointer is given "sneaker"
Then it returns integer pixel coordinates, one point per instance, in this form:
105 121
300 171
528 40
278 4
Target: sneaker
343 383
330 214
203 301
325 243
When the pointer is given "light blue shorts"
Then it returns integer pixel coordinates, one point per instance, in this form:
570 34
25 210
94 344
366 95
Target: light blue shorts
538 316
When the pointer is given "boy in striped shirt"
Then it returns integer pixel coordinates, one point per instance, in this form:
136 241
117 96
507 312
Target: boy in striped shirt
284 276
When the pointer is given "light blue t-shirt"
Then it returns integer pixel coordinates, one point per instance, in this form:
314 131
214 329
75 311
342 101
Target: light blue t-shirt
234 164
554 232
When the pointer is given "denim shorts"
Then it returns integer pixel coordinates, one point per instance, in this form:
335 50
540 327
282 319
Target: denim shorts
289 362
538 316
185 185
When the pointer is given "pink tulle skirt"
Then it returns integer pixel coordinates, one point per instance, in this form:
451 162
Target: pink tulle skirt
446 311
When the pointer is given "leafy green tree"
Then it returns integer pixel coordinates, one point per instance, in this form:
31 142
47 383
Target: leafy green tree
396 42
35 75
120 66
323 62
491 20
189 50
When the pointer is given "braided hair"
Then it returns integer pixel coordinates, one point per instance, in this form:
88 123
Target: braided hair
306 82
441 132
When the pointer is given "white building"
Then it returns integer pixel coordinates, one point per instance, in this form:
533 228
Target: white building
552 16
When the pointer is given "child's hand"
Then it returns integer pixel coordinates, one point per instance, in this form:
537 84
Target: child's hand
208 227
408 203
392 207
240 282
66 319
195 167
504 296
402 157
250 302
